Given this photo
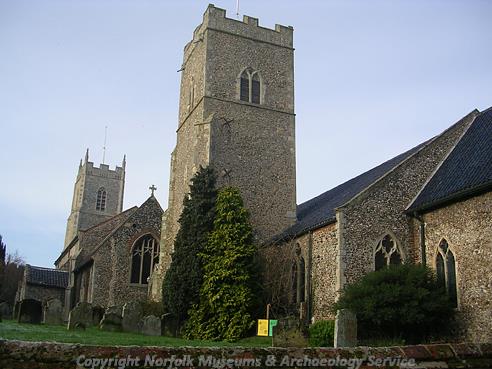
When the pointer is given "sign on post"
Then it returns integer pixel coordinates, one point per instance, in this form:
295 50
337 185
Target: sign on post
273 323
263 327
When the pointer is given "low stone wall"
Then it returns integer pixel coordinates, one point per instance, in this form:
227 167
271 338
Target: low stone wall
19 354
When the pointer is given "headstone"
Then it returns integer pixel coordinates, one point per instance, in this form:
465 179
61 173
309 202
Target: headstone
97 315
111 322
132 316
5 310
151 326
169 325
290 332
53 312
118 310
80 314
345 329
30 311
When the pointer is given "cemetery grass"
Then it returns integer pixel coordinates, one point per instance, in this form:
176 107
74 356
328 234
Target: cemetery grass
12 330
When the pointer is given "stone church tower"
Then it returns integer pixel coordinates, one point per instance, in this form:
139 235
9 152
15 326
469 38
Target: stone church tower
97 196
236 114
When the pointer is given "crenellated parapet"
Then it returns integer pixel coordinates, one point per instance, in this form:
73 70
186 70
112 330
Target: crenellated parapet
104 171
215 19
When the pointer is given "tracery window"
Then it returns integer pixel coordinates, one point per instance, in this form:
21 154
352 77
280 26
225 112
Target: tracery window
250 86
145 255
446 270
302 280
101 199
294 282
298 277
387 253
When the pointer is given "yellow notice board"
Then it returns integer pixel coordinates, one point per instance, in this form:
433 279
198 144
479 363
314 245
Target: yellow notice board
262 327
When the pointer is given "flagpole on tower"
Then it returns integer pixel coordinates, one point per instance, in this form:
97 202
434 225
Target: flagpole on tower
104 146
237 9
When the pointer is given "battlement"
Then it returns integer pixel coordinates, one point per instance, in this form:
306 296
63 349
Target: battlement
215 18
87 167
104 171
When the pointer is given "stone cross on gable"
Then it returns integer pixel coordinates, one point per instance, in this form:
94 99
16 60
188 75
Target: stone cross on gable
152 188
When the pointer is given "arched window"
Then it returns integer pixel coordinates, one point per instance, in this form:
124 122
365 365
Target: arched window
387 253
250 86
446 270
101 199
302 280
145 254
294 282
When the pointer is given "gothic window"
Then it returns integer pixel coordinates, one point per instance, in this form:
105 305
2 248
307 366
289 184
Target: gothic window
446 270
294 282
387 253
302 280
250 86
101 199
145 255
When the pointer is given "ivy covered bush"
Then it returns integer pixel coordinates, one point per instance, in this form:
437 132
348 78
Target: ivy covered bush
404 301
228 294
183 280
322 333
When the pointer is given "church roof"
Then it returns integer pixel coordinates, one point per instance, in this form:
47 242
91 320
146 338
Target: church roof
465 172
320 210
46 276
98 232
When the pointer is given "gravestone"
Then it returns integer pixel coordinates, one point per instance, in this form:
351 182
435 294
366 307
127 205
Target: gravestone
132 316
80 315
345 329
97 315
118 310
151 326
290 332
53 312
169 325
30 311
111 322
5 310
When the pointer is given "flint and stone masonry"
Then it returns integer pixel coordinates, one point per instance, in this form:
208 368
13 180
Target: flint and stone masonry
250 145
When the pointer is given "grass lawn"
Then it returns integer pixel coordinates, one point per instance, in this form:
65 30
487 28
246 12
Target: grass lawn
12 330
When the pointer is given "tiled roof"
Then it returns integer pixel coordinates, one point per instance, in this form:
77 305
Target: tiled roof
467 169
46 277
320 210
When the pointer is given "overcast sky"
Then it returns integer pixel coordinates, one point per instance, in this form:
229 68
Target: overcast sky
373 79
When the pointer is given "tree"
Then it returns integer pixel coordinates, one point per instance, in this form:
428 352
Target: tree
227 296
402 301
11 271
183 280
3 250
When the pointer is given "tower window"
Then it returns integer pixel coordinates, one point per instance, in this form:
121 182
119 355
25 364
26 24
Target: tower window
101 199
250 86
145 255
446 271
387 253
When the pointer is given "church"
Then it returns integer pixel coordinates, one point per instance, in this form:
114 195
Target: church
109 254
429 205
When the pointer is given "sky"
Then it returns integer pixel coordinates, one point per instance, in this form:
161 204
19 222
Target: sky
372 79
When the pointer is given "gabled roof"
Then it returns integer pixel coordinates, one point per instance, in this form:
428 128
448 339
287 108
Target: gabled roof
99 231
46 276
320 210
86 255
465 172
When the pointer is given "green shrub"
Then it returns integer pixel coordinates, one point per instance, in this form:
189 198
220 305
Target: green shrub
227 297
322 333
183 280
403 302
